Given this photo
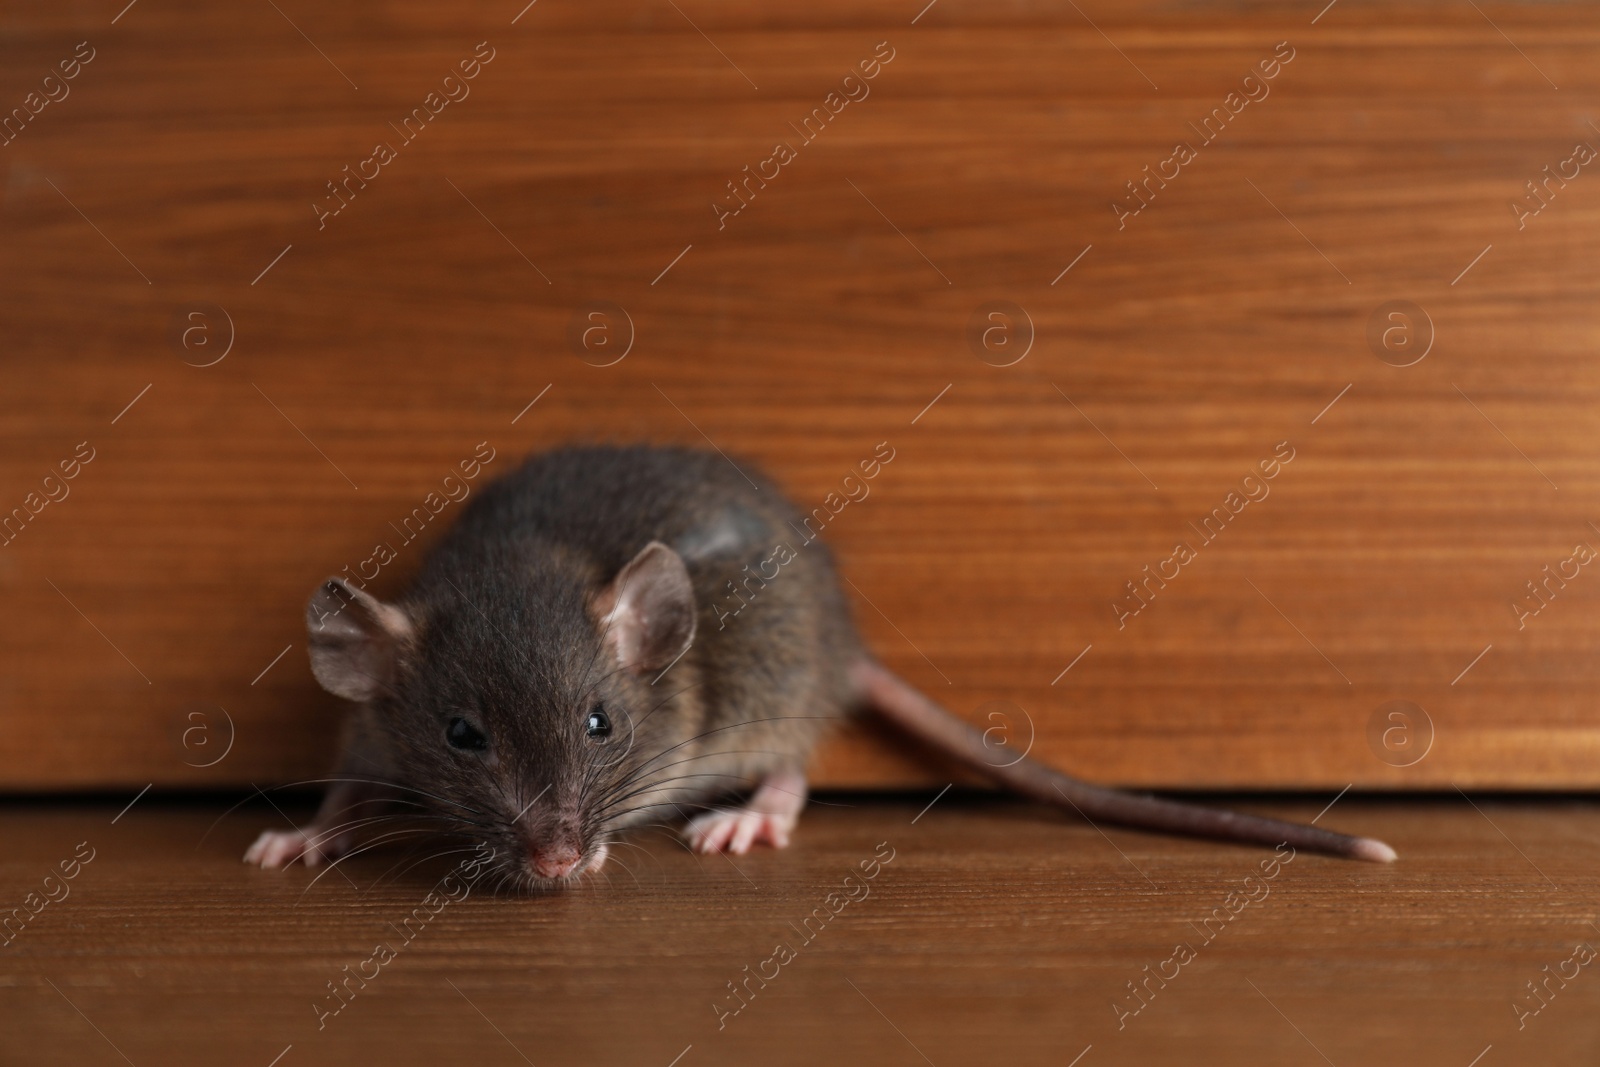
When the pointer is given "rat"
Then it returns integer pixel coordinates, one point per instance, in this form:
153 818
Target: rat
614 636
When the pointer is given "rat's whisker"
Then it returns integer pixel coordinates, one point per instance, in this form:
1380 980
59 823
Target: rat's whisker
618 842
426 859
334 779
633 779
667 783
625 867
663 703
722 729
367 847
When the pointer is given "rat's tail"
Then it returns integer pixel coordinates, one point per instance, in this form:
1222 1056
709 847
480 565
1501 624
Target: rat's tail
926 721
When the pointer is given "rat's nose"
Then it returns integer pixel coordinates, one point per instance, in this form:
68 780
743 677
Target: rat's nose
553 861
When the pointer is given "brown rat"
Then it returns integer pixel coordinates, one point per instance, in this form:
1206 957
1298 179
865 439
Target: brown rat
614 636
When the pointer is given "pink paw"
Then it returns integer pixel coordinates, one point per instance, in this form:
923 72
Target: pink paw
279 848
735 830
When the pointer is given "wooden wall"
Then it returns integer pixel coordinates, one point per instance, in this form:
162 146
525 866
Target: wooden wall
1142 366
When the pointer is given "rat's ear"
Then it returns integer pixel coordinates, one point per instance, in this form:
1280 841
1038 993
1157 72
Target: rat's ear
647 612
354 639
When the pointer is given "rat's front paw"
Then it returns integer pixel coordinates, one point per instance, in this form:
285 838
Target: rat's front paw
279 848
735 830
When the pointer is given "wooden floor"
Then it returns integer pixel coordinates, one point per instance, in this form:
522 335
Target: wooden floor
988 932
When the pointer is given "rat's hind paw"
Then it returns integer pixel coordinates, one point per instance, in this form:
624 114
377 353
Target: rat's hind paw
279 848
736 829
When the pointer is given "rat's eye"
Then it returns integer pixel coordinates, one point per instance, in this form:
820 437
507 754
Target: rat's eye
462 734
598 724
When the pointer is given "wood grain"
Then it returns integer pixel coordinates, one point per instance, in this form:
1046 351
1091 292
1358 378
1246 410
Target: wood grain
994 933
371 355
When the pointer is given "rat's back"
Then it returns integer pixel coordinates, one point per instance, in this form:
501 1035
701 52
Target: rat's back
607 501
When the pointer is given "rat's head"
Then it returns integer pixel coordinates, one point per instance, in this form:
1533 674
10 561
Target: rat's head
517 706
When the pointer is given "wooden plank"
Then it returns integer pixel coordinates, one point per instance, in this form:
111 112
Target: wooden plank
371 354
